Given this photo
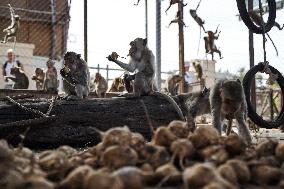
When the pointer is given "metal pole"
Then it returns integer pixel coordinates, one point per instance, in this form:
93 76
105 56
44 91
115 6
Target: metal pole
146 19
85 30
53 28
251 59
107 76
271 104
181 47
158 43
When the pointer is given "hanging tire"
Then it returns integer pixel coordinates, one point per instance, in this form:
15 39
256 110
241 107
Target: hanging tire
249 23
251 110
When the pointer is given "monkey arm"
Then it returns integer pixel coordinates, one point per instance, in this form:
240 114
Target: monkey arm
128 67
242 126
11 78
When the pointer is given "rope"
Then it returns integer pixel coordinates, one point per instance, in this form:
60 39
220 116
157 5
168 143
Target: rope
266 69
25 108
263 30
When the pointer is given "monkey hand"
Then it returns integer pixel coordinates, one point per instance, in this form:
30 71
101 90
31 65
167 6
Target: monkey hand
113 57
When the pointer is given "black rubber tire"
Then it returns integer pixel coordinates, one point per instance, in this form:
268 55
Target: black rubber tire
249 23
251 111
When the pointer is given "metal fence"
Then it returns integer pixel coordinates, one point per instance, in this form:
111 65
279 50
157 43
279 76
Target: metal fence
42 33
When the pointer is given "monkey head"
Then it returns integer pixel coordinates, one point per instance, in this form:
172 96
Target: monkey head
72 62
15 70
17 17
231 93
137 47
177 78
98 77
39 72
210 33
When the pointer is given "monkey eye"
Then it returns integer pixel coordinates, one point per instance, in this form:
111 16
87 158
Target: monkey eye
132 43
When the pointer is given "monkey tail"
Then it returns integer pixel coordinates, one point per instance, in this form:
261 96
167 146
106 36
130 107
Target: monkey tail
172 102
148 117
272 43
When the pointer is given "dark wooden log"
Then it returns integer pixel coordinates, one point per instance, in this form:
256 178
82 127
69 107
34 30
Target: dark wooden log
72 122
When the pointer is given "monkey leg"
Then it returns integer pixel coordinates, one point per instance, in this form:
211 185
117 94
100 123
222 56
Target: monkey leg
216 121
243 128
229 127
217 51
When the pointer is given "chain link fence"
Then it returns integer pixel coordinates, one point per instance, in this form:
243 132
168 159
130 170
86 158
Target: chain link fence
42 33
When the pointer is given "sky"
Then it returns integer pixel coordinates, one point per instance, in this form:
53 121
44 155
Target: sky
112 24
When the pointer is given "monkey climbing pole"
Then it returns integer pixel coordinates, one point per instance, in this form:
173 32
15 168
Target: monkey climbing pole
264 66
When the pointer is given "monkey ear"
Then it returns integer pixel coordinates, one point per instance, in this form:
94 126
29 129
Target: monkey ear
145 41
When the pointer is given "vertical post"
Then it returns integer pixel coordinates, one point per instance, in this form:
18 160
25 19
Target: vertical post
146 19
158 43
271 104
53 28
251 59
86 30
98 68
107 69
181 46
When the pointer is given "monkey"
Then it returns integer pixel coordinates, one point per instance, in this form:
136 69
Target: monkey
172 84
51 82
210 46
177 19
198 70
195 104
12 30
256 18
142 61
199 21
117 85
100 85
21 80
227 100
128 82
172 2
39 78
76 76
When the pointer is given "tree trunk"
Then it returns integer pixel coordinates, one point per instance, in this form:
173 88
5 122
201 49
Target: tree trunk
72 122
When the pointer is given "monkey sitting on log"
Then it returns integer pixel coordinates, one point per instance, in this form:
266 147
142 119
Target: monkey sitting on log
172 2
21 80
51 82
172 84
210 46
117 85
142 62
12 30
227 100
76 76
100 85
39 78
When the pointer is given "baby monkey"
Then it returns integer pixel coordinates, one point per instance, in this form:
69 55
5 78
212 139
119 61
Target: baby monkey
197 19
227 100
39 78
12 30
